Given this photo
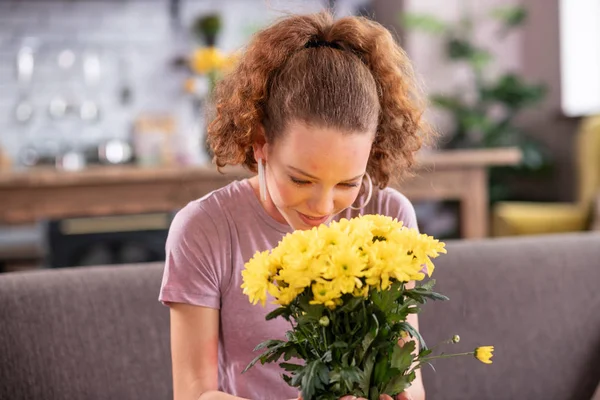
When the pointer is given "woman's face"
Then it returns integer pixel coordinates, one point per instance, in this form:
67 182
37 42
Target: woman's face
313 173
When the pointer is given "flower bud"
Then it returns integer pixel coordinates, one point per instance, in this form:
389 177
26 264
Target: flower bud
324 321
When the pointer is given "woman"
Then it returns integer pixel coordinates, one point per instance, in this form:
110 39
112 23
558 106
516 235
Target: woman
326 112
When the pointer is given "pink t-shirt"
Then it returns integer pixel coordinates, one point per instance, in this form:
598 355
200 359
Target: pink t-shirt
209 241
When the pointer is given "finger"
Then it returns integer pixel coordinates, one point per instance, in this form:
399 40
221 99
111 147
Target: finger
404 396
385 397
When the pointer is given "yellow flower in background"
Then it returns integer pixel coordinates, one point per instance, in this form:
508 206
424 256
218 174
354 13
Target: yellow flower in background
207 59
231 61
484 354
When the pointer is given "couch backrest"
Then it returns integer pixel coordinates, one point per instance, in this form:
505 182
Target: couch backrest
100 333
537 299
84 333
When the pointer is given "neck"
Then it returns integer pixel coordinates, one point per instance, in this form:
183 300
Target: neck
267 204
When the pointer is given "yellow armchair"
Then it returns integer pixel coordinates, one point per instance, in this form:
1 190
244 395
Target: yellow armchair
529 218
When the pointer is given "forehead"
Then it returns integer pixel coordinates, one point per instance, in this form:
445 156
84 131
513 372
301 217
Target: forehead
314 149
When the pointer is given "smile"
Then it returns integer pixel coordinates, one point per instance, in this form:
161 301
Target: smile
313 221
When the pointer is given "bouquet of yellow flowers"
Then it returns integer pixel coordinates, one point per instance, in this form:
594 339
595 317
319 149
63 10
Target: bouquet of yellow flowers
343 288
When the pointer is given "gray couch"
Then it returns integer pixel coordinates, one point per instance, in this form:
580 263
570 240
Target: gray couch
99 333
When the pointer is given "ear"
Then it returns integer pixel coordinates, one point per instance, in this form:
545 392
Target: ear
259 151
260 146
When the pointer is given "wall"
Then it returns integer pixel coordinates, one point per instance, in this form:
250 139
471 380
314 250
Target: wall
532 51
137 45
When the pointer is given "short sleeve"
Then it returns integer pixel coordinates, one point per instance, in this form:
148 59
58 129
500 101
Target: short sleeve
197 251
394 204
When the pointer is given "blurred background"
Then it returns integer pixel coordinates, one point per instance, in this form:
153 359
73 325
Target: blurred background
104 104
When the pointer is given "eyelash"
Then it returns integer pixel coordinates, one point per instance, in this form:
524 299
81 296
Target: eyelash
304 183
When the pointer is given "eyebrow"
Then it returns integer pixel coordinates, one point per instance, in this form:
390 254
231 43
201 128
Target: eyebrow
298 170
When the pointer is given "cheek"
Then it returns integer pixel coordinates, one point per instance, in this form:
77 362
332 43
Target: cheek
345 198
288 195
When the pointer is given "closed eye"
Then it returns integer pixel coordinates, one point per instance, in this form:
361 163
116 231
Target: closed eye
299 181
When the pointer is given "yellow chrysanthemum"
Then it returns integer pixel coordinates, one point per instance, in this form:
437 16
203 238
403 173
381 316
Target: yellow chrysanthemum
388 261
361 292
257 276
325 293
421 246
349 256
286 295
382 226
357 231
484 354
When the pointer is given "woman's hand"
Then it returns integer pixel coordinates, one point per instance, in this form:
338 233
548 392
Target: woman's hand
401 396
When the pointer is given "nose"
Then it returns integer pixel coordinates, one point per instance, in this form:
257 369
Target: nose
321 203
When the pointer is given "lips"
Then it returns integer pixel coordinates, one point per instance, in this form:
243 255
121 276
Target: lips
313 221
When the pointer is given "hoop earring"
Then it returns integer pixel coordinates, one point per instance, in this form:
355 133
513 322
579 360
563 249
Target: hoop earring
262 181
370 183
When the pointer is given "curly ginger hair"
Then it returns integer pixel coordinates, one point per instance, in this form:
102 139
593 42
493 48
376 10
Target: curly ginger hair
347 74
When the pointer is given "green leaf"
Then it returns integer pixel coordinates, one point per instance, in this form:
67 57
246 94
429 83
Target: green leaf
425 352
291 367
427 285
367 340
423 292
339 344
313 313
315 377
293 352
284 312
381 367
275 349
367 372
398 384
347 377
423 22
374 393
268 344
351 304
405 326
409 307
479 59
450 103
511 16
459 49
511 91
385 300
288 379
402 356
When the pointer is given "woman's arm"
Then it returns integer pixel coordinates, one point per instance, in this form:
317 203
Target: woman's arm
194 353
416 390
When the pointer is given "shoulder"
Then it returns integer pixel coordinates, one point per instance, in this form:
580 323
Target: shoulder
208 216
394 204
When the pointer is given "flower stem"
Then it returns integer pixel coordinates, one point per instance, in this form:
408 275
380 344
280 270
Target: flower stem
427 359
424 359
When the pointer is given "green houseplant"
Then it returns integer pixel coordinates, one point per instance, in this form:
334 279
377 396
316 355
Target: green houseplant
484 113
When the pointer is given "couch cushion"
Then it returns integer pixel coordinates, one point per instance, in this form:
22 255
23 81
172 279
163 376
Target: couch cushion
536 299
86 333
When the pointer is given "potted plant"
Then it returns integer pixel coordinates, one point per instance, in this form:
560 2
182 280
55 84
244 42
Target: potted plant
484 113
